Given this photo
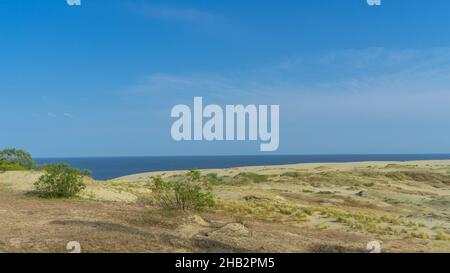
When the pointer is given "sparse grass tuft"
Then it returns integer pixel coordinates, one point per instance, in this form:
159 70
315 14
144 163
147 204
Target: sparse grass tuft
264 211
251 177
213 178
441 235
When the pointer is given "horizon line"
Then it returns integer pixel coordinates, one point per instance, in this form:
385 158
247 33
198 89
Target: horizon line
246 155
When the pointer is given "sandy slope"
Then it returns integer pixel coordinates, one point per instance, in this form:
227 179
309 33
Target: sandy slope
291 208
279 169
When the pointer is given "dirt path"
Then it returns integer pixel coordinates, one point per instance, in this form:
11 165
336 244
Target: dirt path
28 224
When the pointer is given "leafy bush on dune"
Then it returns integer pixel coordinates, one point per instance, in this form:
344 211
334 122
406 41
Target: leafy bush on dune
184 195
6 166
193 175
15 160
60 180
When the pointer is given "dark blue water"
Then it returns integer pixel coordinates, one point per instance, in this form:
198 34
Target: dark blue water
104 168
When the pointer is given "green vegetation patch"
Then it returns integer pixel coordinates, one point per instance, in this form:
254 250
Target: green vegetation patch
213 178
190 194
60 181
251 177
15 160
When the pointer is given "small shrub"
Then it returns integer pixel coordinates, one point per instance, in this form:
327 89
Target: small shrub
184 195
193 175
8 166
213 178
60 180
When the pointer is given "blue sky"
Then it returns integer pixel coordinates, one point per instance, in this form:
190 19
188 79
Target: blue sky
101 79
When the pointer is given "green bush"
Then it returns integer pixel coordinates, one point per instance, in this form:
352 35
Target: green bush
213 178
8 166
193 175
184 195
60 180
251 177
12 160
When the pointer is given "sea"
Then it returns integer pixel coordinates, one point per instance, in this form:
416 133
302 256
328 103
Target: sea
105 168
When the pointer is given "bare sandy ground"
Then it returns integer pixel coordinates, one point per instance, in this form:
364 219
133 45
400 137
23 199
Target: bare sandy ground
279 169
335 207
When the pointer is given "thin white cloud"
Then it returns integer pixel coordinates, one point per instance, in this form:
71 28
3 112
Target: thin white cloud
367 73
177 13
179 84
361 60
53 115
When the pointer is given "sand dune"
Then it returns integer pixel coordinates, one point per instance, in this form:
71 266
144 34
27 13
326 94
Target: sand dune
335 207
